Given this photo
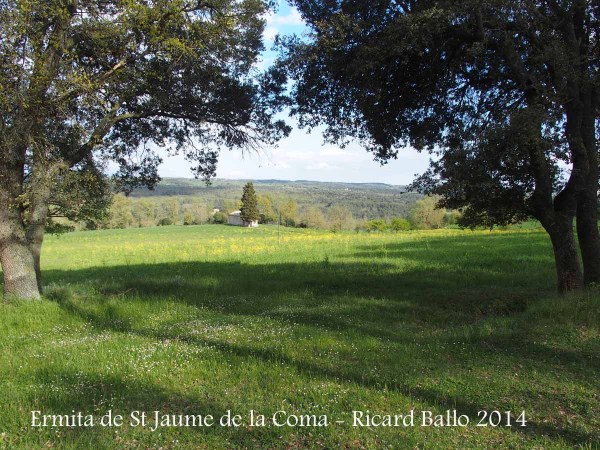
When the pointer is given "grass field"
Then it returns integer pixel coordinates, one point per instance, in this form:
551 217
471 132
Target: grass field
201 320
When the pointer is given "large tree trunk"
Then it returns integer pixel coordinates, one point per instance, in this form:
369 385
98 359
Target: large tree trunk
557 219
568 268
587 233
20 280
42 177
20 246
555 213
26 134
18 267
556 216
587 201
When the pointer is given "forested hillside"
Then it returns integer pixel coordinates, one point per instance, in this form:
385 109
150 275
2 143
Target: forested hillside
364 200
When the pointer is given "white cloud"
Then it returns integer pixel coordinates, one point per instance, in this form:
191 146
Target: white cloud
292 18
294 154
264 62
303 156
321 165
270 33
332 151
283 165
277 23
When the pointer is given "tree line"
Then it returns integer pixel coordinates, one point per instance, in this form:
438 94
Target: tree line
132 212
365 201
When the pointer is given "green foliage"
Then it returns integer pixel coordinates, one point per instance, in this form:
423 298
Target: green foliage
55 227
376 225
501 91
170 210
364 200
192 209
81 194
188 219
83 82
312 217
144 213
219 218
195 212
399 224
165 221
266 209
289 213
249 209
340 218
120 212
427 215
453 217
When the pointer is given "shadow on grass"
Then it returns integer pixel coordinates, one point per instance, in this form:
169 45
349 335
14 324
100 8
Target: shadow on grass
501 253
339 374
229 286
419 301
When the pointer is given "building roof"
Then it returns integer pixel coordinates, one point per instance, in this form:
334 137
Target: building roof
235 213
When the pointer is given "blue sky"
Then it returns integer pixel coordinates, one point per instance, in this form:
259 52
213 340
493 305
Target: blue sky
303 156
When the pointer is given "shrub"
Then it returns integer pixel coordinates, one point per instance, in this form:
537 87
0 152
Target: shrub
376 225
425 215
219 218
165 221
399 224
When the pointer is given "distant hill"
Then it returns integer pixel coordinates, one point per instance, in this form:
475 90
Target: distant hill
364 200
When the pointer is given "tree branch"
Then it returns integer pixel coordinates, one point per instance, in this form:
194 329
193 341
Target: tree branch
94 84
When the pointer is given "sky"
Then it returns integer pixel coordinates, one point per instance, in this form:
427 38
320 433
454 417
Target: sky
303 156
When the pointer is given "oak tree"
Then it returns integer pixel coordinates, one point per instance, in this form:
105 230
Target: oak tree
85 82
505 93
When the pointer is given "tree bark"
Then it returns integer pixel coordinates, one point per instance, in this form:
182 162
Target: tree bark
35 237
587 233
556 216
43 175
568 268
555 213
20 247
587 200
18 267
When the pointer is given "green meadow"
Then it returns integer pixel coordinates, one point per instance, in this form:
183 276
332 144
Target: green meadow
202 320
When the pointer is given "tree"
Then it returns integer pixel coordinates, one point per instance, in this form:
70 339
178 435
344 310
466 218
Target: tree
399 224
170 210
340 218
198 210
289 213
453 217
219 218
266 210
165 221
378 225
83 81
249 209
120 212
426 215
144 213
312 217
505 92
